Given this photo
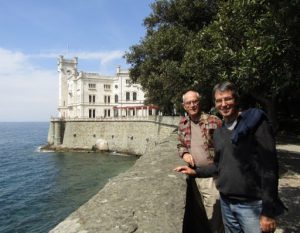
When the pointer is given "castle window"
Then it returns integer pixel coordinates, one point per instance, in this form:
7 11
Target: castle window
107 99
92 85
106 112
127 96
116 98
92 113
134 96
92 98
106 87
116 113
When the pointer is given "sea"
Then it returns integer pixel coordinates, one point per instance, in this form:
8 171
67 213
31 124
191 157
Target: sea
40 189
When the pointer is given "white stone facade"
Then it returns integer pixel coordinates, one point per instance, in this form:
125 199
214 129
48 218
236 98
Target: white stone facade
92 96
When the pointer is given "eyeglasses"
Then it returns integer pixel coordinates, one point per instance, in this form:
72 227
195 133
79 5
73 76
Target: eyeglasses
189 103
226 100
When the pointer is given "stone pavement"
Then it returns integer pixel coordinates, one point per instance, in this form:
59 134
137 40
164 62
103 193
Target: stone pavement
289 185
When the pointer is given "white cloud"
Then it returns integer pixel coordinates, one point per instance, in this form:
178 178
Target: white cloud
12 61
104 57
27 93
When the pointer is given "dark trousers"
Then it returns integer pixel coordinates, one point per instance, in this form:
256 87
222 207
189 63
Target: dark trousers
195 219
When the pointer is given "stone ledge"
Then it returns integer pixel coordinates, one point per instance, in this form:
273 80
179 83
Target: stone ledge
149 197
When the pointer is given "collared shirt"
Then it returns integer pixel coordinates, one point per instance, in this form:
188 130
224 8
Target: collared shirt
208 123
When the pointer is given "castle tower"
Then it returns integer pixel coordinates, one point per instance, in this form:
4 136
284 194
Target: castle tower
67 70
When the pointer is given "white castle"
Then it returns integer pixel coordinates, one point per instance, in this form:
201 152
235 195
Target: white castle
91 95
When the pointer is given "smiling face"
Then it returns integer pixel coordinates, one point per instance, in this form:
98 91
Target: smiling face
191 104
226 104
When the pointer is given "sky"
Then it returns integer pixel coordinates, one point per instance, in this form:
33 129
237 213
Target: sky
33 33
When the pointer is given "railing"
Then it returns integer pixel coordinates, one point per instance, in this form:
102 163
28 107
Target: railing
103 118
168 120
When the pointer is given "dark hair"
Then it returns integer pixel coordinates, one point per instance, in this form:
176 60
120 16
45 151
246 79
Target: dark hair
225 86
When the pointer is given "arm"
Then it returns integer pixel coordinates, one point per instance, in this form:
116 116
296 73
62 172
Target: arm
207 171
182 146
202 172
212 169
185 170
269 167
271 206
198 172
183 151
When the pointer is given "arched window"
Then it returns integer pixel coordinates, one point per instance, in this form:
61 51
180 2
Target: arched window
116 98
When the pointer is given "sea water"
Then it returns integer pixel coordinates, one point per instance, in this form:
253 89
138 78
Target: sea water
40 189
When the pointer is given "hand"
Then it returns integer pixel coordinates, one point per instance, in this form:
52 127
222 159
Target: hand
267 224
187 157
185 170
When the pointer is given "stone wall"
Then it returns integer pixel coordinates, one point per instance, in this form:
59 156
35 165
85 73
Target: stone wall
149 197
128 135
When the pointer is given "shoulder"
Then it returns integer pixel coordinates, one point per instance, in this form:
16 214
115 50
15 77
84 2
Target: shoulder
254 114
183 122
212 120
265 126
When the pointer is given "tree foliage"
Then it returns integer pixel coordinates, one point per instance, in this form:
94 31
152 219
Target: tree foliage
157 60
194 44
253 44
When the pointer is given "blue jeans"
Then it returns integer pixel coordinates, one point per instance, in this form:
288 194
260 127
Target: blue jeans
241 216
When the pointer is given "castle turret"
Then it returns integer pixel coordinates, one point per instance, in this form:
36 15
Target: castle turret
67 69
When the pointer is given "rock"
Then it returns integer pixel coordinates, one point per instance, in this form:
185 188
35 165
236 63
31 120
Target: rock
101 144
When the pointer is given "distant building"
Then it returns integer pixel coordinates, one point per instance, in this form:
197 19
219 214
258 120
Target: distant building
91 95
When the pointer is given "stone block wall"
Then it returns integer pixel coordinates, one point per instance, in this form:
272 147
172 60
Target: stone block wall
125 135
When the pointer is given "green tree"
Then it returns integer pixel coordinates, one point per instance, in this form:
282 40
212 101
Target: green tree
157 60
194 44
253 44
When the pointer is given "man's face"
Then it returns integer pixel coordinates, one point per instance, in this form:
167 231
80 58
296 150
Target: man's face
225 103
191 104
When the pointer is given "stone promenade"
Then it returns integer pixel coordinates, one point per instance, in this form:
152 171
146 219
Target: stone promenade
289 185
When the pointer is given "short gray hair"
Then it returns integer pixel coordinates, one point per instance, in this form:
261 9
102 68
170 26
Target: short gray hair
197 94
